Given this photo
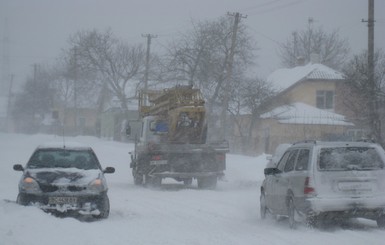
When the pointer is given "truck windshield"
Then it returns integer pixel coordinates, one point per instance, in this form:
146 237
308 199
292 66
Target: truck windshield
159 127
349 158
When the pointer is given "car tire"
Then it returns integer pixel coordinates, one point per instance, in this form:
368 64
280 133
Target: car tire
291 213
187 182
22 199
104 207
263 208
207 182
156 181
138 178
381 221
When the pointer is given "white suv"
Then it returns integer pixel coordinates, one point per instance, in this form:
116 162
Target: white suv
322 181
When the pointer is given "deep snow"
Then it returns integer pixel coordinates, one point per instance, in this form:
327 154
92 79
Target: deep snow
170 215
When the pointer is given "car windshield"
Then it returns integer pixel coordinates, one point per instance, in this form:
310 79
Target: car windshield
349 158
63 158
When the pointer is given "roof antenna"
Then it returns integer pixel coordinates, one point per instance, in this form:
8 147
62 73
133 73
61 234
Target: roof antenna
64 142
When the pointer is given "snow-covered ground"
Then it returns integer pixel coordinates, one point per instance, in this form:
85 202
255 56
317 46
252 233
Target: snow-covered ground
170 215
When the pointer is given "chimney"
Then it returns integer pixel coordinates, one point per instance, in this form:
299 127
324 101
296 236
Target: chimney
300 61
314 58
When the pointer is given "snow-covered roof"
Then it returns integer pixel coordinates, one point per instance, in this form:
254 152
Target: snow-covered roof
300 113
282 79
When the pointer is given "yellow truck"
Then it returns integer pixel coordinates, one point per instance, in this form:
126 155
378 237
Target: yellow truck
172 142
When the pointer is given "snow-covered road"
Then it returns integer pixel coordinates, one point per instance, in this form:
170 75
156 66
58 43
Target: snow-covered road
169 215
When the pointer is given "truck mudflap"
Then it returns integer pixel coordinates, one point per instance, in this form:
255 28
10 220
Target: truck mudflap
187 175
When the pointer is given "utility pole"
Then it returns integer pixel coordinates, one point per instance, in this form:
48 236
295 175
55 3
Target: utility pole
9 106
374 121
149 37
75 76
310 22
295 45
5 60
229 72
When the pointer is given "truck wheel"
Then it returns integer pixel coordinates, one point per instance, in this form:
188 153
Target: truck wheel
381 222
207 182
153 181
156 181
187 182
138 178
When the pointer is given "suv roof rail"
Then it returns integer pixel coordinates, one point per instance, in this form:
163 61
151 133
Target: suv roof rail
366 140
306 141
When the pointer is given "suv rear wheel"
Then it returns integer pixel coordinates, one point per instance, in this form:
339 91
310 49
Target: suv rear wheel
291 213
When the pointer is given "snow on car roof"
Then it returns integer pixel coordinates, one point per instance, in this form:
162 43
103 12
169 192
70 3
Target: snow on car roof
338 143
66 145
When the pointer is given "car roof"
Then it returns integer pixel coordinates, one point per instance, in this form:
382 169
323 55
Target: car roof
65 145
334 143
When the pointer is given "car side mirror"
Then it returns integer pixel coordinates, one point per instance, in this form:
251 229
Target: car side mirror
18 167
271 171
109 170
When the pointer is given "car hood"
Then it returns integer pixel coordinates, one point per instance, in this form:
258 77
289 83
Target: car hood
60 176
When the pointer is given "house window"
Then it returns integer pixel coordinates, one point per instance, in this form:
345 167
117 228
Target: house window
325 99
82 122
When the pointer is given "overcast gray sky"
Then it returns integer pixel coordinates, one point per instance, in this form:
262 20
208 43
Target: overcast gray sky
39 29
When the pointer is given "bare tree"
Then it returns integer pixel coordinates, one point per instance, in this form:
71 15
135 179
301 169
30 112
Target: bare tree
34 101
200 57
70 81
367 102
251 98
329 48
117 63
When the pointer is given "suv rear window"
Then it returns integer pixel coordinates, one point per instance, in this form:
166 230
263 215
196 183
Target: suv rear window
349 158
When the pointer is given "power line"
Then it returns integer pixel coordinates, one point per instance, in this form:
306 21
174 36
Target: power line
274 8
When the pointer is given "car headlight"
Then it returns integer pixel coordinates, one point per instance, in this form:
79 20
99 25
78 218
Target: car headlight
97 185
28 184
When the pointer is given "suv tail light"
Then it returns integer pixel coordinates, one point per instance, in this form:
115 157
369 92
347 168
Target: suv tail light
156 157
221 157
308 189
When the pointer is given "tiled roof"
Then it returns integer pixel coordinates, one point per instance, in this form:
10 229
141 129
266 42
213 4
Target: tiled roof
284 78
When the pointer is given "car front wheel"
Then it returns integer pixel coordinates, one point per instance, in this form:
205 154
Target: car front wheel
104 207
22 199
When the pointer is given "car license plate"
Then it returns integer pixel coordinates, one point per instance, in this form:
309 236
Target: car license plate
355 186
159 162
62 200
